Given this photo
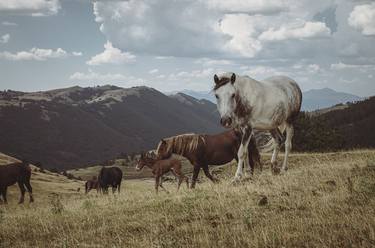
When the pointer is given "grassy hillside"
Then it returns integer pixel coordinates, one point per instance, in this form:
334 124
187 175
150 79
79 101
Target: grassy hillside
324 200
44 185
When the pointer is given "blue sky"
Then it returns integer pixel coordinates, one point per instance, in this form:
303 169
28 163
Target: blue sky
175 45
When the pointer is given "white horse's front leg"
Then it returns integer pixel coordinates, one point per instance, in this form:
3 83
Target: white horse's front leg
243 152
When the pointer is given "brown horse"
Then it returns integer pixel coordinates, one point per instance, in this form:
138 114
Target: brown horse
161 167
16 173
204 150
111 176
92 184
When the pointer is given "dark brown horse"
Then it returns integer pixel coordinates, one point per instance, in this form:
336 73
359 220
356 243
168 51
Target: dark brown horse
111 176
160 167
204 150
16 173
92 184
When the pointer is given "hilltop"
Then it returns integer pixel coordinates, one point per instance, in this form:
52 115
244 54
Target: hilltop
66 128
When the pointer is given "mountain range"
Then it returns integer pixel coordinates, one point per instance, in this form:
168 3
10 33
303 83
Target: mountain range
71 127
312 99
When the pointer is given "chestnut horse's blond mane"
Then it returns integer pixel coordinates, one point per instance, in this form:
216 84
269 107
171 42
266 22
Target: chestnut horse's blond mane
184 143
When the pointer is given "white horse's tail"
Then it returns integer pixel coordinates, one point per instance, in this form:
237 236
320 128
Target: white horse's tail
264 140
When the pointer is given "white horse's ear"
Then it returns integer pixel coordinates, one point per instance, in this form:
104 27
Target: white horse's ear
233 78
216 79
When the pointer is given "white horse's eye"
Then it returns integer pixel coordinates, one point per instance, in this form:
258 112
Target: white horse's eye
217 97
233 95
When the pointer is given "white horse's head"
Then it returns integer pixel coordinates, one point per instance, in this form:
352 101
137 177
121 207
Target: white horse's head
225 94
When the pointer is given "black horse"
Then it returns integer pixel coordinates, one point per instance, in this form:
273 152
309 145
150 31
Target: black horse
110 177
20 173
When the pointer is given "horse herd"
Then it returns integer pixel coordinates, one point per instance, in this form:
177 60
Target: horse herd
244 105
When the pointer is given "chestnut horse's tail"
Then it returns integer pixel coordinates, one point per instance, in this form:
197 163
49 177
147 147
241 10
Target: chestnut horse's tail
264 140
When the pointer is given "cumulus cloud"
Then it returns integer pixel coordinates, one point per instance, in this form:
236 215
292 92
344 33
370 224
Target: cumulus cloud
111 55
307 30
258 6
37 54
343 66
5 23
4 39
153 71
30 7
95 77
192 75
207 28
213 62
362 18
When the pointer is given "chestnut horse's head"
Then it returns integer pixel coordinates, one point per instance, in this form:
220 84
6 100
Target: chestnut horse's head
144 160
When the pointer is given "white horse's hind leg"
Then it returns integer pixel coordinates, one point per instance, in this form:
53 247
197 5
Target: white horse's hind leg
288 145
277 140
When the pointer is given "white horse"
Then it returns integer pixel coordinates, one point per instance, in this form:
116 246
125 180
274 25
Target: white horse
268 105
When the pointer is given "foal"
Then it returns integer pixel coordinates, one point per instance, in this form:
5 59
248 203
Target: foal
160 167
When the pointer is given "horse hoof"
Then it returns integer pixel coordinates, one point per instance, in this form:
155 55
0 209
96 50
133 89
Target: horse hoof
276 171
236 181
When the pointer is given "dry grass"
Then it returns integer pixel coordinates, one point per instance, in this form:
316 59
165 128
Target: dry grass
324 200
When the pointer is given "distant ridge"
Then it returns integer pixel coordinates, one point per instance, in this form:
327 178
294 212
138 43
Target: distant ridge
66 128
312 99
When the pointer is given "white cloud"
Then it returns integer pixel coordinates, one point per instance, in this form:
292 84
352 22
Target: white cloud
164 57
243 32
4 39
77 53
343 66
313 68
261 71
306 30
153 71
30 7
363 18
192 75
209 28
111 55
5 23
257 6
213 62
95 77
38 54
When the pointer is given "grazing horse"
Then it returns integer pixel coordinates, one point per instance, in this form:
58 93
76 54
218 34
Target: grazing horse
204 150
92 184
110 177
269 105
16 173
160 167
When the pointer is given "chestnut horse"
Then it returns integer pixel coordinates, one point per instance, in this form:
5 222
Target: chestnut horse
204 150
160 167
20 173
